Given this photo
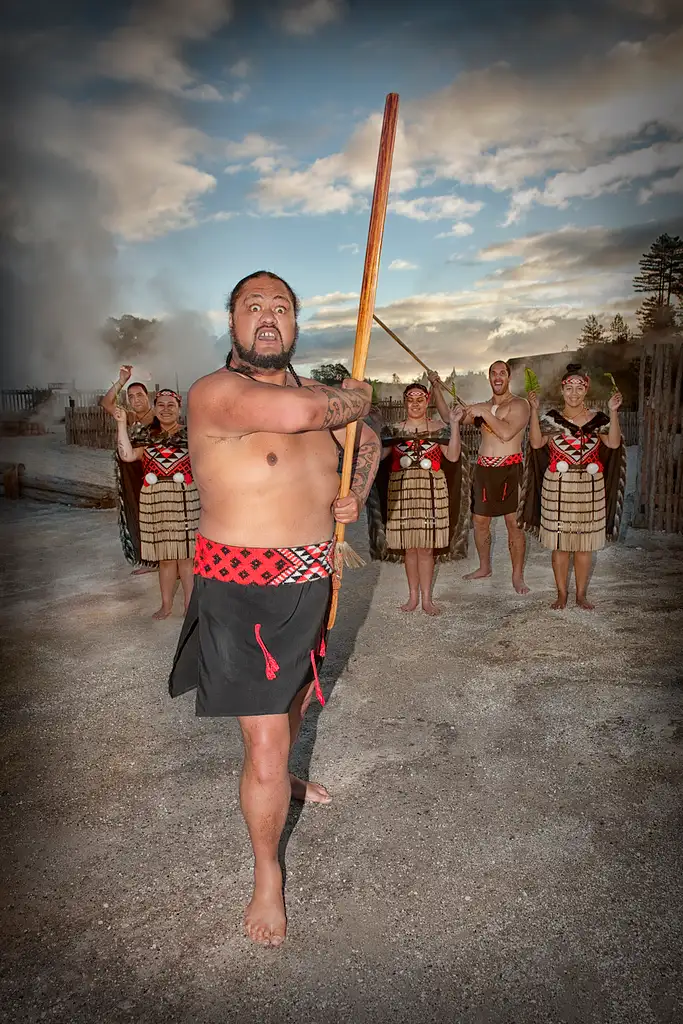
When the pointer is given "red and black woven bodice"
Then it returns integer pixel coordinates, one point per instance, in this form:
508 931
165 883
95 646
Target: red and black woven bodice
168 457
418 452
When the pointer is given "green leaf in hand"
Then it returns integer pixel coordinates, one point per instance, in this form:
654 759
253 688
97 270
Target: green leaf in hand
531 381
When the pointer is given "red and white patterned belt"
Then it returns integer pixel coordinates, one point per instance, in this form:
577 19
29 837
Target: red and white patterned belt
269 567
495 461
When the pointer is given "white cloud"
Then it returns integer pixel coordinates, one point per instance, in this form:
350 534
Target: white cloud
332 298
435 207
352 247
662 186
503 128
402 265
241 68
305 17
459 230
239 94
147 49
596 180
251 146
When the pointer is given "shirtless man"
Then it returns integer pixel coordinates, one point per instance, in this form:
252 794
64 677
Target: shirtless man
264 447
497 475
140 409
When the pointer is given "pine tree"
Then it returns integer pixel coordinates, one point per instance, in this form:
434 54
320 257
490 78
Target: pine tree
593 332
661 278
619 331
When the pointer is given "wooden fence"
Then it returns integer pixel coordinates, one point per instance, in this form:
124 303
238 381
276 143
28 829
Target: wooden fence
22 400
90 427
661 437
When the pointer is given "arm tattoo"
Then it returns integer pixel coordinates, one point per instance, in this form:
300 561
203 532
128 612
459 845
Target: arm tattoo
365 468
342 406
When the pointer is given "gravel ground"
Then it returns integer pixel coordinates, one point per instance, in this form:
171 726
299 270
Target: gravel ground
504 842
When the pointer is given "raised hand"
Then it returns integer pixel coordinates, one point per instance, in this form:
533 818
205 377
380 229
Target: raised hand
119 415
456 414
124 374
532 399
615 401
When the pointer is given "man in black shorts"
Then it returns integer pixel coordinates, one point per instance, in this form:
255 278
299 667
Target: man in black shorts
264 447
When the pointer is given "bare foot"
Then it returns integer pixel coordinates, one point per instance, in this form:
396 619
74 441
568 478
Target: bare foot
429 608
309 792
478 574
583 602
163 613
265 921
560 603
519 585
411 604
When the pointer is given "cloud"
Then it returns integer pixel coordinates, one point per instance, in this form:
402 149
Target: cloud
402 265
459 230
241 68
536 303
251 146
332 298
435 207
662 186
305 17
585 122
147 49
352 247
611 176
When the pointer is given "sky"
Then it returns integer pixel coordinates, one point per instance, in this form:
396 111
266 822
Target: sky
161 150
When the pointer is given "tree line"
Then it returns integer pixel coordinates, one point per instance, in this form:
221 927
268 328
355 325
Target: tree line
660 279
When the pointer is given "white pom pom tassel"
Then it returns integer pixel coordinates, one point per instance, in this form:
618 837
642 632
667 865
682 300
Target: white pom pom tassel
592 468
406 462
562 466
151 478
425 463
178 478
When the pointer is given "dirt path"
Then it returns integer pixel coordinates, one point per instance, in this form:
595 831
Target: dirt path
50 455
504 842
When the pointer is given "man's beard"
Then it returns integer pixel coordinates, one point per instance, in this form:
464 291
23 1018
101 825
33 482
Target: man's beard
269 361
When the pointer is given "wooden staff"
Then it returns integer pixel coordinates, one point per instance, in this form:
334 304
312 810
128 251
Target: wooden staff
416 358
343 552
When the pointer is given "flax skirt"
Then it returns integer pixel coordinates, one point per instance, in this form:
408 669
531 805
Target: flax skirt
573 511
417 509
169 516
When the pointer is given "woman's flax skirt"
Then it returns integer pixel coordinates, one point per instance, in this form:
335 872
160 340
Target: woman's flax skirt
573 511
417 509
169 517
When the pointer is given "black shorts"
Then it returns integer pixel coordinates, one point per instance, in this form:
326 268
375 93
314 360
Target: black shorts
495 489
249 648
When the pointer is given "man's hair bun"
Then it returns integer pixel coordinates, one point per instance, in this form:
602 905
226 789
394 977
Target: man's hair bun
574 368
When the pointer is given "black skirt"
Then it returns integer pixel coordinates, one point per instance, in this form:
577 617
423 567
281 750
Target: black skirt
249 649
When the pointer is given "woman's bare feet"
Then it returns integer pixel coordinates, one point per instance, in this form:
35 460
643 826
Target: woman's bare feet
478 574
560 603
583 602
265 921
411 604
309 792
519 585
163 613
429 608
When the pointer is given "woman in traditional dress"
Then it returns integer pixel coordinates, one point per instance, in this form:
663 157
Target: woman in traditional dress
139 416
169 501
572 495
415 514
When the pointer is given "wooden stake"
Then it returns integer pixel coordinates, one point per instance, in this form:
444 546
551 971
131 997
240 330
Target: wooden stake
366 308
416 358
